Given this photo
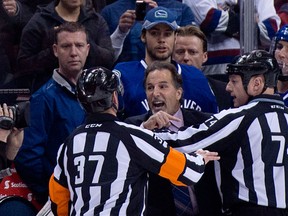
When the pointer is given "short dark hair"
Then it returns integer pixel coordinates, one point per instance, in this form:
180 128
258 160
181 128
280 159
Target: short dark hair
160 65
69 27
191 30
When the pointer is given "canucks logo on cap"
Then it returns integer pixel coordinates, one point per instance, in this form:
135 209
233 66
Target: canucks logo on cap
161 14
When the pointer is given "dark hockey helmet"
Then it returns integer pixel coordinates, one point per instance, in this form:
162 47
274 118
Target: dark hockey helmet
255 63
281 35
95 87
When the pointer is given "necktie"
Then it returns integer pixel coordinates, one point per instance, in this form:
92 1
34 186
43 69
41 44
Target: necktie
184 197
185 201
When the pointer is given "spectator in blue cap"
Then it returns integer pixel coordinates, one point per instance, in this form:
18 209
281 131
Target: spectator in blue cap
120 17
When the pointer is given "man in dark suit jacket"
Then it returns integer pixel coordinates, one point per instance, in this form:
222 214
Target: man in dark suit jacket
163 87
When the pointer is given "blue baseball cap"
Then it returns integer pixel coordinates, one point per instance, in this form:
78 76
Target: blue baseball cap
160 15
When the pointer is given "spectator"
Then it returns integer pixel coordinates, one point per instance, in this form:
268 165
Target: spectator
10 138
279 48
21 11
11 203
36 59
102 166
190 46
126 22
15 14
249 139
163 85
220 21
133 49
158 35
191 49
281 7
55 111
9 41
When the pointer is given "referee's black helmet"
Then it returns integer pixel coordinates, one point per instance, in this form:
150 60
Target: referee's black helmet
95 87
255 63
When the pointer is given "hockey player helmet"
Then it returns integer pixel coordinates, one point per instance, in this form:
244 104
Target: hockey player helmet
255 63
281 35
95 87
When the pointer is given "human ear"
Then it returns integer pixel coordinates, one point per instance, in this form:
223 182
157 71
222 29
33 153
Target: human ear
143 37
179 93
258 84
55 50
205 57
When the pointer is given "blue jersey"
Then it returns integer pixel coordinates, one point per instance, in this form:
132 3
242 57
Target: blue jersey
197 93
284 96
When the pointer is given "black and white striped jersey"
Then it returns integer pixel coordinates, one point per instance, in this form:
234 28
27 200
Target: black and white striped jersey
252 141
102 168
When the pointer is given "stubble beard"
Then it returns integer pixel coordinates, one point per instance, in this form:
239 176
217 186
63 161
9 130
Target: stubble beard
159 57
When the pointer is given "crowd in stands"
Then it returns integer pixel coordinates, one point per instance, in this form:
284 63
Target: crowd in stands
46 44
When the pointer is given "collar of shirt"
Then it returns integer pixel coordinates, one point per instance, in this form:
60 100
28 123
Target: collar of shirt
175 125
62 81
178 66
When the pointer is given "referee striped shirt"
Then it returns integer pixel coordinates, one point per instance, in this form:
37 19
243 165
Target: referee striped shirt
252 141
102 168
